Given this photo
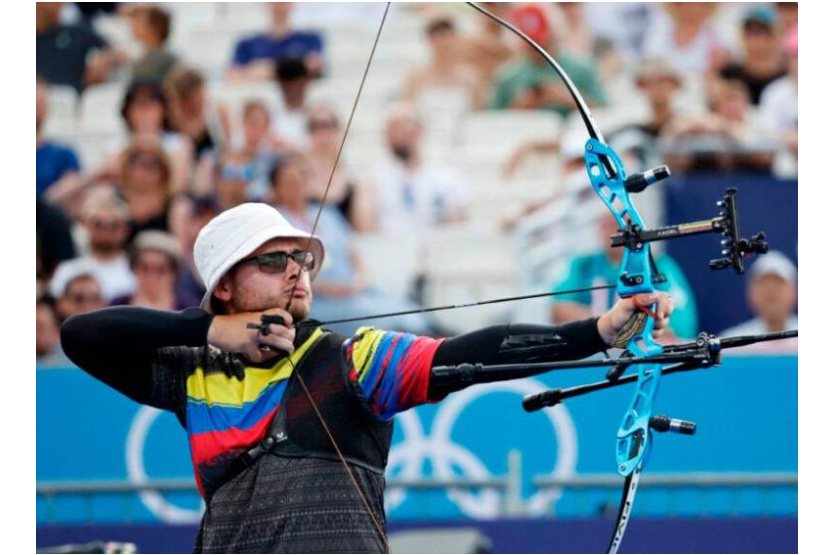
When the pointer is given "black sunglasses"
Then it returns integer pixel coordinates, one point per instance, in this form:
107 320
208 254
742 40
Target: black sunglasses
277 262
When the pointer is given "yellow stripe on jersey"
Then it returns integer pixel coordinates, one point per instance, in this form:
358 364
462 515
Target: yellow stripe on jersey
220 389
363 348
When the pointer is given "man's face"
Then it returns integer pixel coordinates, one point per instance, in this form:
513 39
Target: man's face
107 229
249 289
82 295
772 298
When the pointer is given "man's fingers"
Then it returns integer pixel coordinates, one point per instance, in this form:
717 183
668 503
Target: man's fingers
287 319
281 331
665 306
279 343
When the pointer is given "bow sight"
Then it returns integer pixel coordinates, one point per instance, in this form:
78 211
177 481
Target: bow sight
734 247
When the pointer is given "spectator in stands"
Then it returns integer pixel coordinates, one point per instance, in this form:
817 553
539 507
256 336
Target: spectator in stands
145 114
260 146
145 172
75 286
71 55
491 46
731 136
623 25
444 87
155 260
293 78
341 288
763 61
788 14
255 56
186 97
347 193
659 84
413 195
684 35
47 335
58 169
151 28
234 174
529 83
106 220
772 296
602 267
779 104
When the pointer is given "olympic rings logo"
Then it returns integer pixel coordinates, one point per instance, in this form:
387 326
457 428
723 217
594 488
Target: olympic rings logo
407 459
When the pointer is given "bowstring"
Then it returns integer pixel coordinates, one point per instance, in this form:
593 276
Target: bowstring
300 379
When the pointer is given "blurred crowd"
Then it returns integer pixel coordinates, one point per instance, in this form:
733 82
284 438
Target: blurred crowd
716 84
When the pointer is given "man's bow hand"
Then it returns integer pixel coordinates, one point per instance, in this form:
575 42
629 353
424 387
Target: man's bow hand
658 305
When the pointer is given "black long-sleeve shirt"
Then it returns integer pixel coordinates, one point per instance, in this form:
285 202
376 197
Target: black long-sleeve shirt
119 346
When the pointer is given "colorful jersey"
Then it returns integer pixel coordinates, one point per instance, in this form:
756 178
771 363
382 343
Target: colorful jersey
225 415
391 370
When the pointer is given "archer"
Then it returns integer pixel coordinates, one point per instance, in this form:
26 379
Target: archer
289 424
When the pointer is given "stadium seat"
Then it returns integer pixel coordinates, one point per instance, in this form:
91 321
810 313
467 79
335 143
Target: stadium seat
499 133
391 263
211 49
101 108
63 111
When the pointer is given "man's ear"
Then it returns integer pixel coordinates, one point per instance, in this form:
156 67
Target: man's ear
224 290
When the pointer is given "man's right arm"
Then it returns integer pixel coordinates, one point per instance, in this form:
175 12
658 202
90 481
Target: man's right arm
121 345
146 354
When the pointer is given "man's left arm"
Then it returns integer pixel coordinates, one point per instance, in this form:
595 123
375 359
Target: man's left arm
391 372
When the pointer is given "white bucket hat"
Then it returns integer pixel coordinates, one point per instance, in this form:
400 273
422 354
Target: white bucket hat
235 234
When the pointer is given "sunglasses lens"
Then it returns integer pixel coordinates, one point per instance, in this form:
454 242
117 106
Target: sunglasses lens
273 262
277 262
305 260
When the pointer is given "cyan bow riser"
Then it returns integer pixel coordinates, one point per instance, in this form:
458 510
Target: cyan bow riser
636 271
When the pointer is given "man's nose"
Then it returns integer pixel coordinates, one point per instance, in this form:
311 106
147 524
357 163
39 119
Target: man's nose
293 269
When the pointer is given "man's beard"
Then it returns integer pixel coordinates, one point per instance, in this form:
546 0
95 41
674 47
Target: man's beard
299 309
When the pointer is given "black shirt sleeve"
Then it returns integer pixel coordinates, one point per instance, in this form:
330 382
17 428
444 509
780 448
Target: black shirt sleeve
512 343
144 354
